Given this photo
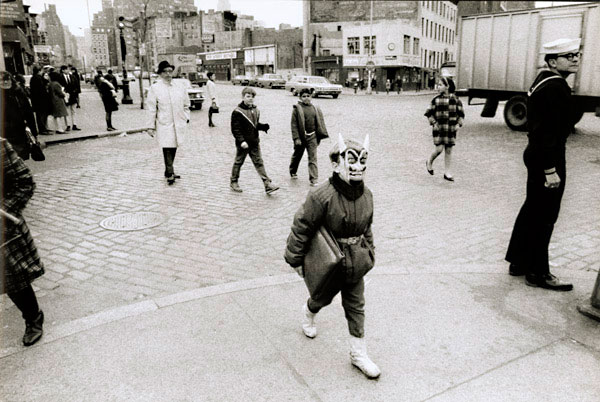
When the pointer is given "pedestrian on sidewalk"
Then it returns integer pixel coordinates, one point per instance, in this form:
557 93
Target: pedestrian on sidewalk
109 100
97 79
16 115
445 113
21 263
59 107
76 84
388 86
112 79
328 205
374 85
551 115
245 125
39 96
308 129
399 85
168 116
70 86
211 90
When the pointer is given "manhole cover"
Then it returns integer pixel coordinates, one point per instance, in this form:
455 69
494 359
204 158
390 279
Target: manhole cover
132 221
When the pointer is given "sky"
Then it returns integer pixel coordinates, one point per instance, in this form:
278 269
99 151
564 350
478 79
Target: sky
271 12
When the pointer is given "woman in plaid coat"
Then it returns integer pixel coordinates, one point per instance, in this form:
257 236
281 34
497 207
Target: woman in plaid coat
20 263
445 113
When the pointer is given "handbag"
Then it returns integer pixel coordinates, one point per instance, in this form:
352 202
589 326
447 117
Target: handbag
34 146
321 261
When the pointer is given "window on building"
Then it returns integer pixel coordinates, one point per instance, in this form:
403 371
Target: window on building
416 46
422 27
326 52
339 28
369 44
406 44
354 45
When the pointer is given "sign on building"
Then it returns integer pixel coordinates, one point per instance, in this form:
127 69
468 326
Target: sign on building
42 48
11 12
208 38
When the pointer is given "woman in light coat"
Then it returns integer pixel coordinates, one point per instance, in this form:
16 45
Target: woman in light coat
168 115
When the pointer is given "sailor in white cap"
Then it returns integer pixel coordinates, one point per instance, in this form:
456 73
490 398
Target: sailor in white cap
551 115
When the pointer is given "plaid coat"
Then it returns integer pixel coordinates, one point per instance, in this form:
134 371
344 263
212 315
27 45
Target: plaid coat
20 263
447 111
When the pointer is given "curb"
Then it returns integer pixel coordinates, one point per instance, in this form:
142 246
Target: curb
81 137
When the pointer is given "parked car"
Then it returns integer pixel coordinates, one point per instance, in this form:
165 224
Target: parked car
195 94
317 85
253 81
271 81
240 80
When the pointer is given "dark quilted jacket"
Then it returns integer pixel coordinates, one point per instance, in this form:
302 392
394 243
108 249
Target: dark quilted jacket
344 218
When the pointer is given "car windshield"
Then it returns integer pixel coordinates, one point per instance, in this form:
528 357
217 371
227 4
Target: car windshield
318 80
276 76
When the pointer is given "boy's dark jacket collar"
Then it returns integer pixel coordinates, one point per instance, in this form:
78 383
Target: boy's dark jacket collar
244 106
350 191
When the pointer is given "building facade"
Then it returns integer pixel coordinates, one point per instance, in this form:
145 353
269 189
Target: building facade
405 41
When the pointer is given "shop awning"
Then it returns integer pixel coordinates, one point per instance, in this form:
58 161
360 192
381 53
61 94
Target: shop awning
14 34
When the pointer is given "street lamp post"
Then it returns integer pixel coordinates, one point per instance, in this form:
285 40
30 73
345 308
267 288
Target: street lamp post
126 98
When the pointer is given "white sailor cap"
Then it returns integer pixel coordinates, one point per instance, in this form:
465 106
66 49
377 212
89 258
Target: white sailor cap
563 45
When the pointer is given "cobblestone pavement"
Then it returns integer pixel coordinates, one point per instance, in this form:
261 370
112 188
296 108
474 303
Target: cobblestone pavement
212 235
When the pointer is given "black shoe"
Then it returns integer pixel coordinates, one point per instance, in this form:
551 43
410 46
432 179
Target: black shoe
314 184
269 188
68 128
449 178
429 169
110 129
235 187
515 270
75 128
33 330
293 176
171 179
547 281
211 125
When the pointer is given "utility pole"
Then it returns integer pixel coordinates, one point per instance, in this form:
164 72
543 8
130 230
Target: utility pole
369 61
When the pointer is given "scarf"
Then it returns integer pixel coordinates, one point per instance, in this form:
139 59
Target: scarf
350 191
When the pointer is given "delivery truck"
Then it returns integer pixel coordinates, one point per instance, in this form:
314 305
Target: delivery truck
183 63
498 57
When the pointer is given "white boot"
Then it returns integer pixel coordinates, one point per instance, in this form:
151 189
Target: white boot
308 322
359 358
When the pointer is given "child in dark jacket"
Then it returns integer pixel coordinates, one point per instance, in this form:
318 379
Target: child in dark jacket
245 124
328 205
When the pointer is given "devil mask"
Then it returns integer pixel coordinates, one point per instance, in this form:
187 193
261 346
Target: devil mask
349 159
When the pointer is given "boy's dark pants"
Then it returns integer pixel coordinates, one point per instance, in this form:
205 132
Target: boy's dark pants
311 148
255 156
353 302
169 157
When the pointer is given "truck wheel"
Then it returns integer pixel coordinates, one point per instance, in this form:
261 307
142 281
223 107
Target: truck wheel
335 96
515 113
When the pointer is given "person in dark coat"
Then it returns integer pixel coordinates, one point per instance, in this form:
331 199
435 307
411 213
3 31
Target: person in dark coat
70 84
374 85
445 114
59 107
16 115
112 79
551 113
308 129
245 125
109 99
76 84
344 205
97 79
21 262
40 96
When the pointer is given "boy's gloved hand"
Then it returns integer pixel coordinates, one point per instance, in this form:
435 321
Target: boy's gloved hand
264 127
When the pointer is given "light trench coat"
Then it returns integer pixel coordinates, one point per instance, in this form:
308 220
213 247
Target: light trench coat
168 112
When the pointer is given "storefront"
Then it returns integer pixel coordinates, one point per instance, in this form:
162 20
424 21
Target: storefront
260 60
221 62
330 67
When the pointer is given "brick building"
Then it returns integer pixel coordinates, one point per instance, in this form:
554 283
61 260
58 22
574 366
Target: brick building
407 41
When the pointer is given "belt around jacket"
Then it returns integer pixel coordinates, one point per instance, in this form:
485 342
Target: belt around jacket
309 134
350 240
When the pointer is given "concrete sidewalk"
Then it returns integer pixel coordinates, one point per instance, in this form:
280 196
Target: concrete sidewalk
447 335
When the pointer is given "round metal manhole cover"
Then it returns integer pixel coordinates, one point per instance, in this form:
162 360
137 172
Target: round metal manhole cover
132 221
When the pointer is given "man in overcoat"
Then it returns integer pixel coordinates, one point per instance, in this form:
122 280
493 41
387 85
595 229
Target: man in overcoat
168 115
551 115
308 129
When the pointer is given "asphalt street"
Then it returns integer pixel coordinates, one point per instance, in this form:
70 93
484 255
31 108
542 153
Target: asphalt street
211 236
